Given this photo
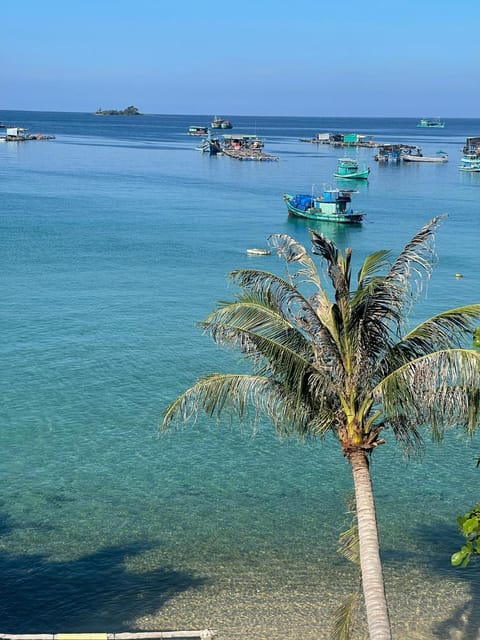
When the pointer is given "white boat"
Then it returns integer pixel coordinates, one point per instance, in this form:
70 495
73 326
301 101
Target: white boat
196 130
418 157
259 252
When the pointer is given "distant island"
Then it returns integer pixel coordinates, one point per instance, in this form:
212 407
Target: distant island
129 111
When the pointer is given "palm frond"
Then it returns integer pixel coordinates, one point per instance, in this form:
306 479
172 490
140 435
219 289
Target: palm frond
269 356
442 331
344 618
292 251
380 305
276 292
407 434
375 314
246 397
372 265
338 264
349 546
440 390
323 420
312 317
416 260
247 315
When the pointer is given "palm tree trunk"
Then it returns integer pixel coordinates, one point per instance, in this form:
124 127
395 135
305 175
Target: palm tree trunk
371 567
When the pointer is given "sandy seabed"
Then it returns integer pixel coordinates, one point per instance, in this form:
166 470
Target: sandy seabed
242 607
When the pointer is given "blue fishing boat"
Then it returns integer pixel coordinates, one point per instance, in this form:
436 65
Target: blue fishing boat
331 206
348 168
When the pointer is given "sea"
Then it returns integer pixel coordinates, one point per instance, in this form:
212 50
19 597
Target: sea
117 238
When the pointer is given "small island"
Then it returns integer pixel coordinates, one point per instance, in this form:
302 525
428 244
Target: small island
129 111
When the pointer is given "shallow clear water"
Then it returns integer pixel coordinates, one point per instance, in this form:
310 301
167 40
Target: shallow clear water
116 239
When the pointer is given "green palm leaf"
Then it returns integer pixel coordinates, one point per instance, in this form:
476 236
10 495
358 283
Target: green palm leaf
344 618
443 331
245 397
440 389
371 265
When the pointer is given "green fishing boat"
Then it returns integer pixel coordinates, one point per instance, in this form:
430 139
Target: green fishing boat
350 169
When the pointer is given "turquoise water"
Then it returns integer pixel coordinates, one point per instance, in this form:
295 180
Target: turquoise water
116 239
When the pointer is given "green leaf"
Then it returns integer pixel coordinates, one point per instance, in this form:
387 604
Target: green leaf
470 525
457 558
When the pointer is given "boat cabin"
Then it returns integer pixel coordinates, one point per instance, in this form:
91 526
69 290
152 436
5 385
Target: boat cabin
197 131
220 123
472 145
322 138
15 134
242 141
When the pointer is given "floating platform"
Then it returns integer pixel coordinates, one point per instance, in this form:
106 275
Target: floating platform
249 154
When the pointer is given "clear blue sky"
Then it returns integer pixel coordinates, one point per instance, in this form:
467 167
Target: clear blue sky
264 57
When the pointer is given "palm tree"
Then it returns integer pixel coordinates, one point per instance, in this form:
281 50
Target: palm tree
344 365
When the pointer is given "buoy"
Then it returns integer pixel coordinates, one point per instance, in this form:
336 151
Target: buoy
458 275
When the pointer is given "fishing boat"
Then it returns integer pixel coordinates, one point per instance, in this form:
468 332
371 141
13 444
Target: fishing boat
348 168
331 206
470 162
219 123
195 130
393 152
427 123
210 145
471 155
440 156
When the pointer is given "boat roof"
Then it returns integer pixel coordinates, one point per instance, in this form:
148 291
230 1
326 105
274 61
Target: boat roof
240 136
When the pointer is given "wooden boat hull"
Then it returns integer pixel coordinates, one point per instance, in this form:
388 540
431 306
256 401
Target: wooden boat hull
314 213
